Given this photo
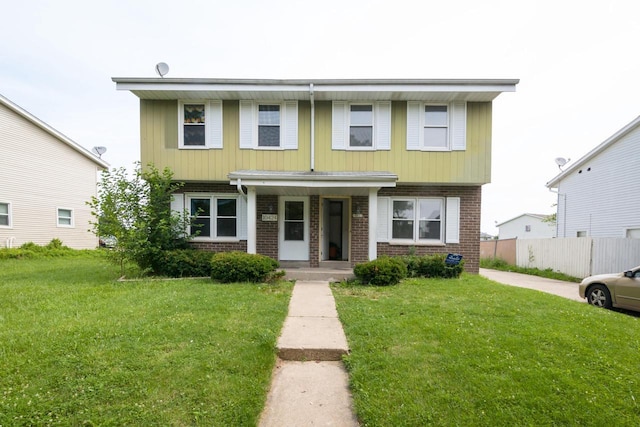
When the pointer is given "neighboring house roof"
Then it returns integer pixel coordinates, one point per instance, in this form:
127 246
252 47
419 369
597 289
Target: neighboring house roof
321 89
593 153
58 135
537 216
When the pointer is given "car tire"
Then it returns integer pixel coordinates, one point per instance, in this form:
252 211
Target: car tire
599 296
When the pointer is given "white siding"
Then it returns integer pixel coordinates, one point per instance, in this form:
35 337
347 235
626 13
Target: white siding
603 199
516 228
39 173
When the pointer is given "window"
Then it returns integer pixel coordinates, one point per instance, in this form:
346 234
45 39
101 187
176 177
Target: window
200 124
65 217
527 228
581 234
268 125
418 220
436 126
194 125
216 216
5 214
361 126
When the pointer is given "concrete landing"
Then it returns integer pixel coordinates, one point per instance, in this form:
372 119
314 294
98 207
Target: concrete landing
310 386
317 274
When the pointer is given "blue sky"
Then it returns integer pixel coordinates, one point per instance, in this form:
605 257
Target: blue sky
577 63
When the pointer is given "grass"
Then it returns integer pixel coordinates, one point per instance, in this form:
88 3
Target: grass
79 348
470 351
500 264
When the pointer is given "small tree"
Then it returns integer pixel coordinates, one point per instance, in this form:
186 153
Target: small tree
137 212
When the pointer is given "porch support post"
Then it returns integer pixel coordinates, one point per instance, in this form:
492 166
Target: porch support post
252 220
373 223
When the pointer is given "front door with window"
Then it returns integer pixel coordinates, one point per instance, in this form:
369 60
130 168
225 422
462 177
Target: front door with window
293 217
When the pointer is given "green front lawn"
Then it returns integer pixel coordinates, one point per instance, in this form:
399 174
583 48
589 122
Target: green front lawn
471 352
79 348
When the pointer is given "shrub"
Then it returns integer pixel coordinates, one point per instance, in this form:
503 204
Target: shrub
238 266
186 263
431 266
384 271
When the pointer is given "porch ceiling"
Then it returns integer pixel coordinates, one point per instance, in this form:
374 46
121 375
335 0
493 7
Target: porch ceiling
293 183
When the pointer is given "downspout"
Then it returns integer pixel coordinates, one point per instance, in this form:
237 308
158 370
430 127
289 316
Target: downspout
239 187
313 128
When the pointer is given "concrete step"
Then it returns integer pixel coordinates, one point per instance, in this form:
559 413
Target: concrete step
312 274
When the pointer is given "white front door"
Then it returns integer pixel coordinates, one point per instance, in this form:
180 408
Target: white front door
293 218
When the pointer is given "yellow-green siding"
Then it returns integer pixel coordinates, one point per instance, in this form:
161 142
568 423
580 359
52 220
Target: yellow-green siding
159 145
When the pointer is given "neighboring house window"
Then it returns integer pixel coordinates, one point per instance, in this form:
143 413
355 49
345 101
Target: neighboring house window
5 214
216 216
65 217
581 234
527 228
268 125
200 124
632 233
436 127
417 220
361 126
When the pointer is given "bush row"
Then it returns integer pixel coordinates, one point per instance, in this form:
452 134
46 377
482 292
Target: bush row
386 271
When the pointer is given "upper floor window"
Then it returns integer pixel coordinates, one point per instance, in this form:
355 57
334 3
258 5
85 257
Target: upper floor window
215 216
200 124
5 214
65 217
436 127
268 125
361 126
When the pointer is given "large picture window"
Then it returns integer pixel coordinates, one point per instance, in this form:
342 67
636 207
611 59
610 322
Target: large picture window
215 216
417 220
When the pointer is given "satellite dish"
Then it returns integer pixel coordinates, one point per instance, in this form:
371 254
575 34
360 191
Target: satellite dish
99 151
561 161
162 69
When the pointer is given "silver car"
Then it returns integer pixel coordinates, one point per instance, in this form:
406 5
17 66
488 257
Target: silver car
620 290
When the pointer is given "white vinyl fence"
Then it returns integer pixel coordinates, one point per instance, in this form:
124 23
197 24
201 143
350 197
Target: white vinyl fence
579 256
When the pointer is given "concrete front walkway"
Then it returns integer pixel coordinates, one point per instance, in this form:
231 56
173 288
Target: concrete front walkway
557 287
310 386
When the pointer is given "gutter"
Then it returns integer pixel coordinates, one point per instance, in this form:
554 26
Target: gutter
313 128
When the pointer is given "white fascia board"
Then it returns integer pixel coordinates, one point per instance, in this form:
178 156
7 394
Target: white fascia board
312 184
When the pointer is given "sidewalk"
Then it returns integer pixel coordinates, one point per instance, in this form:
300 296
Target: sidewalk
557 287
310 386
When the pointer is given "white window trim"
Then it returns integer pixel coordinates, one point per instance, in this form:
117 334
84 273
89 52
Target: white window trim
456 126
212 124
72 224
214 205
416 223
10 222
373 127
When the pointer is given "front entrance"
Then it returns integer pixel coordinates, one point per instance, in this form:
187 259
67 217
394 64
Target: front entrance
293 234
335 229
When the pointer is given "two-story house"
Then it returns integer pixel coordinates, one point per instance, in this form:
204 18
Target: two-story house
315 172
46 179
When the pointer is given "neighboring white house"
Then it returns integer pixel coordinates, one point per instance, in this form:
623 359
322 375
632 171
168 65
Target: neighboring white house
598 195
526 226
45 181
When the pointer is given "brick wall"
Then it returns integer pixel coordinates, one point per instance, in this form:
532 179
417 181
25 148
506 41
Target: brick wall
359 230
469 246
267 231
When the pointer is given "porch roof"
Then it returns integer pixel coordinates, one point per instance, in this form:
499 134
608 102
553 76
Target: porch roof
299 183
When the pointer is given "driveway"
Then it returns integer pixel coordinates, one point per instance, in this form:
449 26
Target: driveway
557 287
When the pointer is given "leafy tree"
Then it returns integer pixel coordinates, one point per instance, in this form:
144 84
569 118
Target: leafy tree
137 212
